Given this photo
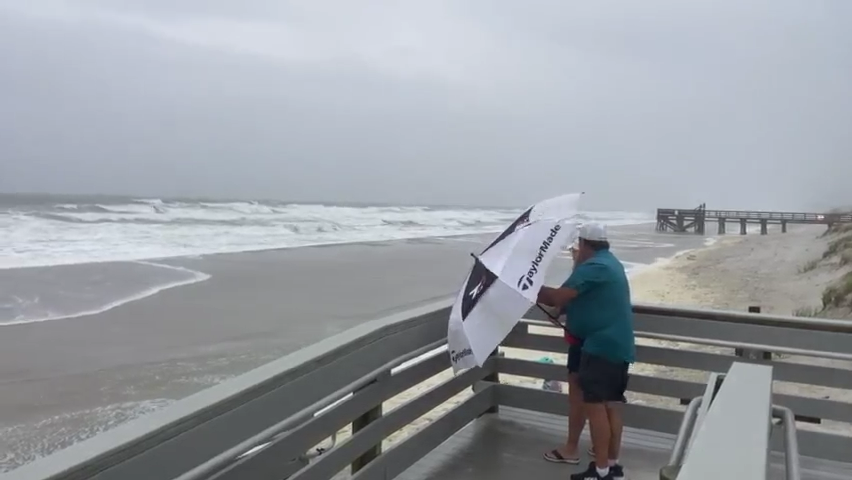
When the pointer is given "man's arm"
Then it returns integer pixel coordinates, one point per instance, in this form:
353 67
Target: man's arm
584 277
556 297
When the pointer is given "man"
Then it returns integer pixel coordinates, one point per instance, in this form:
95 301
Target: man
596 300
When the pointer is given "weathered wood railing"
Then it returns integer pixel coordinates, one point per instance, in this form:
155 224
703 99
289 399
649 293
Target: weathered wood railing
260 425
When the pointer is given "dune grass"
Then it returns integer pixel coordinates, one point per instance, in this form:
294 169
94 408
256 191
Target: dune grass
806 312
839 294
809 266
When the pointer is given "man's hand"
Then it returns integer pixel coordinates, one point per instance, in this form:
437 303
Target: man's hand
556 297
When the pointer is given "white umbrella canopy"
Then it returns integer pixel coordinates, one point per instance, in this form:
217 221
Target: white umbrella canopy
506 278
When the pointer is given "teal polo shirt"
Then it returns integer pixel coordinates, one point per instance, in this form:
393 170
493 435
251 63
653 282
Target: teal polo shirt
602 314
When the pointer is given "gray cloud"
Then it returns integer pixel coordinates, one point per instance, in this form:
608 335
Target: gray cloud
739 104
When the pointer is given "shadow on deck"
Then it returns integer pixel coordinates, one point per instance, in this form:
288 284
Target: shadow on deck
509 446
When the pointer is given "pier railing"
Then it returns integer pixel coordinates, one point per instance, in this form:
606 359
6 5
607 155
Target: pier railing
734 215
373 382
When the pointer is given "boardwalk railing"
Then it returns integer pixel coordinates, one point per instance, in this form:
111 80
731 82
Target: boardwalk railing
266 424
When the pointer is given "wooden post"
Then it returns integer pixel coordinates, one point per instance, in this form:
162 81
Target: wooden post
783 226
493 377
361 423
764 227
753 354
722 225
743 229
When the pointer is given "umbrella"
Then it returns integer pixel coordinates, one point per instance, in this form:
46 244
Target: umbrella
505 279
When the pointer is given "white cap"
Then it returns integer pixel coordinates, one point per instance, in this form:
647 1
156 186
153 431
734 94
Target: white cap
593 232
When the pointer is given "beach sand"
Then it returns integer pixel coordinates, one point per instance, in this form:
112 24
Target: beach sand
65 380
742 271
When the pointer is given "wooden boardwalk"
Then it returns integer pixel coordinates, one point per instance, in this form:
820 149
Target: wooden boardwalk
509 446
695 220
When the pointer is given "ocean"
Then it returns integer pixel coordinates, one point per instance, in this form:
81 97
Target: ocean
130 238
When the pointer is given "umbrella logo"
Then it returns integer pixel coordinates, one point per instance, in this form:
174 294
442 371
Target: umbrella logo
478 282
456 356
526 281
477 289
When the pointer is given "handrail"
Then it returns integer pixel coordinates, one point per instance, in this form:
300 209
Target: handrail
211 466
731 316
747 346
687 426
791 441
725 343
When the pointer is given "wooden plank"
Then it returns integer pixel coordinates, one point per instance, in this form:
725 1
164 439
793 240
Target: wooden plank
267 464
694 360
818 445
824 409
509 446
712 362
663 387
636 416
339 458
736 332
404 454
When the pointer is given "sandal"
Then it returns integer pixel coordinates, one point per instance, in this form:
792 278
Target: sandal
554 456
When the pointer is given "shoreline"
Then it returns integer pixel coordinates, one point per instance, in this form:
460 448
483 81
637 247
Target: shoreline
177 265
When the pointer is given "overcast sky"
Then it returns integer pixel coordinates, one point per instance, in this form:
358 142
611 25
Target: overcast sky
737 103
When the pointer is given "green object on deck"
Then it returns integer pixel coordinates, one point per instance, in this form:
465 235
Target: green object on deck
545 360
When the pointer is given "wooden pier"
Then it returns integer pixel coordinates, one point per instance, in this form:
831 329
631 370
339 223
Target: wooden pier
694 220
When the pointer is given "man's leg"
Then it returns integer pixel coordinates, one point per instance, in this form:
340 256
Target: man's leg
616 427
576 416
616 423
599 427
594 382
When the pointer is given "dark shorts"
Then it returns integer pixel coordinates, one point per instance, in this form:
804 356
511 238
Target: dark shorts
602 380
575 352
